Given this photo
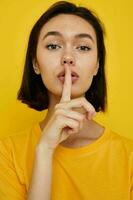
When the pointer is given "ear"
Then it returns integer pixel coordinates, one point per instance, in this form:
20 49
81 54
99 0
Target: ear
35 66
96 69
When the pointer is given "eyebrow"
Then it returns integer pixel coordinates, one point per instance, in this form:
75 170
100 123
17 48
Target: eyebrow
80 35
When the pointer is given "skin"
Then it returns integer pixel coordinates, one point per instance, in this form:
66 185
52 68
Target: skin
49 63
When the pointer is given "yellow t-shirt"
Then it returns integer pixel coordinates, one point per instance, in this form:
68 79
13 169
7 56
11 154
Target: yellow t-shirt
100 170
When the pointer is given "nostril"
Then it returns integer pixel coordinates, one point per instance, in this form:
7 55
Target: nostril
70 62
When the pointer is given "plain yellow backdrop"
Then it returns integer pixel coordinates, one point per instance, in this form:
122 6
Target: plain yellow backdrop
16 21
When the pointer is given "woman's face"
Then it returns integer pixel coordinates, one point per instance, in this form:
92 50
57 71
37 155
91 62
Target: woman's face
67 38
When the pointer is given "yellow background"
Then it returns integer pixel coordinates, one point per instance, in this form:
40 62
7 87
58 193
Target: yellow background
16 21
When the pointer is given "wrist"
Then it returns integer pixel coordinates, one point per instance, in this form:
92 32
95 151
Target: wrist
44 149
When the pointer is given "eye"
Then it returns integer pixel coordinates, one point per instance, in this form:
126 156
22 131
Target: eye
52 46
84 48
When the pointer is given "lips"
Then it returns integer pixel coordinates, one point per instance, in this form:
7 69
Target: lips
73 74
73 78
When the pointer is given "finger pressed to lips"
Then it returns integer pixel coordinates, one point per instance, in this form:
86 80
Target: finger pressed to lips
66 92
74 103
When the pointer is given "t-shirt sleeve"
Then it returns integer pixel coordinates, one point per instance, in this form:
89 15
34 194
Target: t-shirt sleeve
131 189
131 193
131 185
11 187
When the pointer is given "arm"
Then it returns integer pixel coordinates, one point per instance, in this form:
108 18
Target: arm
40 187
54 133
12 186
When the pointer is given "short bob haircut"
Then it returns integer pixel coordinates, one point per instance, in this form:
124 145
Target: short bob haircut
33 91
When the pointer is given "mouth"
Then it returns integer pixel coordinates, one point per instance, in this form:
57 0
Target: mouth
74 77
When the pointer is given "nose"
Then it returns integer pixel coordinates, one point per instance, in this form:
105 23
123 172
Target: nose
68 59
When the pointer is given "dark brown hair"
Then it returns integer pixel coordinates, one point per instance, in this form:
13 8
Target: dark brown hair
33 91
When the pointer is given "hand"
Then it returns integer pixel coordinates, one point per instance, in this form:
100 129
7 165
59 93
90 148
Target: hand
65 120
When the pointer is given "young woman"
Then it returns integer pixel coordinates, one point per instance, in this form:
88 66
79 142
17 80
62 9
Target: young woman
68 155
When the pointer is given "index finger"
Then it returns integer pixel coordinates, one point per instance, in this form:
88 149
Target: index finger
66 92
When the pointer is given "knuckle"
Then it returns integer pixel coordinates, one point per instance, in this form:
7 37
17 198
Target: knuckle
60 105
83 99
57 116
58 112
56 106
91 107
93 110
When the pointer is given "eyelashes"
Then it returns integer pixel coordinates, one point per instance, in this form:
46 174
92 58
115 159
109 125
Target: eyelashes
52 46
55 47
85 48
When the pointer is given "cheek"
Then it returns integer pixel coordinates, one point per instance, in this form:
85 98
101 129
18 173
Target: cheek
89 65
48 66
47 76
47 62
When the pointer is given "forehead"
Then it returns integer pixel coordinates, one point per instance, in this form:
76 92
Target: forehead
69 25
